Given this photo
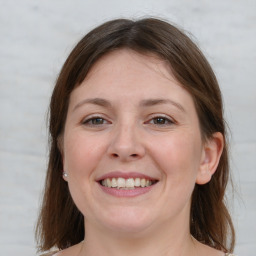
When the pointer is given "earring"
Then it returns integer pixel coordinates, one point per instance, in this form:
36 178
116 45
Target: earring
65 175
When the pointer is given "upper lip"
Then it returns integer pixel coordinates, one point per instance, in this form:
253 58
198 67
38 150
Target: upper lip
125 175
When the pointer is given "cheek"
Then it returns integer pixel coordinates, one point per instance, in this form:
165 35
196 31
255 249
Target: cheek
81 157
179 157
81 154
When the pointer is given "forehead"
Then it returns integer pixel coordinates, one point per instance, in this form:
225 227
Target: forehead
125 74
127 60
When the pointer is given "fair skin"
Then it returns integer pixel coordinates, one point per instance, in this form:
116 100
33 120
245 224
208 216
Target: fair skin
130 119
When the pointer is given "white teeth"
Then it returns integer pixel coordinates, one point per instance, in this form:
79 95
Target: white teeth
120 182
143 183
108 182
114 183
129 183
137 182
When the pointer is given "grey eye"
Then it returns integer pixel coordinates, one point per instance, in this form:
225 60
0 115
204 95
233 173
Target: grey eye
161 121
95 121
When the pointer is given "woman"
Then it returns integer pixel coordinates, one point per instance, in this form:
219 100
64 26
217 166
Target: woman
138 160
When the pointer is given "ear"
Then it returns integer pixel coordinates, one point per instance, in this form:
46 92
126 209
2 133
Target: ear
211 154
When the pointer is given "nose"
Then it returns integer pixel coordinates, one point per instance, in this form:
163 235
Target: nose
126 144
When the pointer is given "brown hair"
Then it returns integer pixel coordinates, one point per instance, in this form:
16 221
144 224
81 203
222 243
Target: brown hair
60 223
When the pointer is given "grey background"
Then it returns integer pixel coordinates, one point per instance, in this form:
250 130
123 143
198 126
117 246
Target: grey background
35 39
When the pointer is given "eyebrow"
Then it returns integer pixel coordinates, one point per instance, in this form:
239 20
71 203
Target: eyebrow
143 103
153 102
95 101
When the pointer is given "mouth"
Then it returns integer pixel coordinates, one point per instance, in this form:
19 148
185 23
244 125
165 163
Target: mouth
127 183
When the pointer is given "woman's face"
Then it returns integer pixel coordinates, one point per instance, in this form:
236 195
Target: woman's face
132 146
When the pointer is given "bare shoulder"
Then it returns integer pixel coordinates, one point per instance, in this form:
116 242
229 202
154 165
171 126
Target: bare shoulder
214 252
59 253
73 250
54 253
207 250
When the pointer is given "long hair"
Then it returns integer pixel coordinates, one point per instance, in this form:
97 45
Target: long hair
60 223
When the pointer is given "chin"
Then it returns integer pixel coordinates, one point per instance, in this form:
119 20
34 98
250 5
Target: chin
128 220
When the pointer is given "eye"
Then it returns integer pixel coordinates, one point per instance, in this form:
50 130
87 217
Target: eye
161 121
95 121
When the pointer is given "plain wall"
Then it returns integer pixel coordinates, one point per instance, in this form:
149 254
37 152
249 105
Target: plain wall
35 39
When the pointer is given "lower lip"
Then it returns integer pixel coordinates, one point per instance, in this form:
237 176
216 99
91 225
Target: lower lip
126 192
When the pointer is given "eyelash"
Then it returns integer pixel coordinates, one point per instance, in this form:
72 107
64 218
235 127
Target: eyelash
167 121
89 121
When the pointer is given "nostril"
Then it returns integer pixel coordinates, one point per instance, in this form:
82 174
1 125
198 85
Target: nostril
115 155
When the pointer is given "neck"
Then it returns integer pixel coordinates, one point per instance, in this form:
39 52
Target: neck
167 241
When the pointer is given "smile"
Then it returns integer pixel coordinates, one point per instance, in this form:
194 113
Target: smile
126 184
130 183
